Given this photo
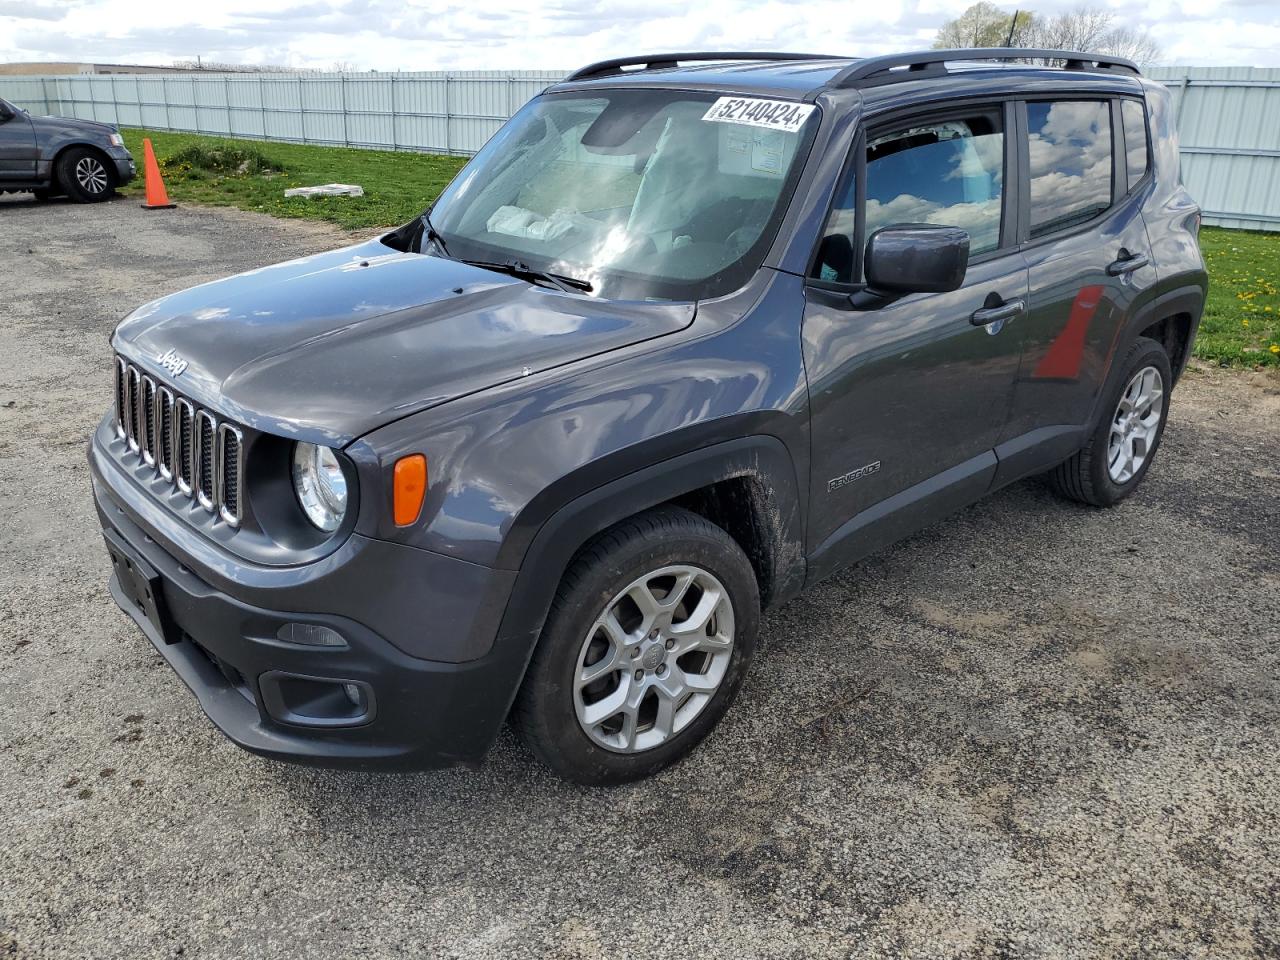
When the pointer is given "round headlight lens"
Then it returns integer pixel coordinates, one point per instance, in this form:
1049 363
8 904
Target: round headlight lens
320 484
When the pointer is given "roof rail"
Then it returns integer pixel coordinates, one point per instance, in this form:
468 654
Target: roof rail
873 70
657 61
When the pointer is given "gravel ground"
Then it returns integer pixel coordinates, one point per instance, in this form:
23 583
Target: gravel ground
1035 730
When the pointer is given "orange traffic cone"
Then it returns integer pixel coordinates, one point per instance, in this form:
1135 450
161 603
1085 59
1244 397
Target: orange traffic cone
157 198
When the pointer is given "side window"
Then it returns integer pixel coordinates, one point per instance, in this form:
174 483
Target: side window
1136 143
835 253
1070 159
947 172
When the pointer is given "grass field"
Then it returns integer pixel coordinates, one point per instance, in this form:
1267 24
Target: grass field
1241 325
397 185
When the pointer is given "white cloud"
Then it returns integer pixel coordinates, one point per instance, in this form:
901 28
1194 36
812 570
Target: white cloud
557 34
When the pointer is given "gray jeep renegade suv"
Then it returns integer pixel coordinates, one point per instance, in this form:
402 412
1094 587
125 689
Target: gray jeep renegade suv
82 159
690 333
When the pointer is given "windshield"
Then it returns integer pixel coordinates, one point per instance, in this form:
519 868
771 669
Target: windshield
644 194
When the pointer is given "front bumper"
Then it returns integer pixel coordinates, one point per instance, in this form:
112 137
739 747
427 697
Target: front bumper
126 169
420 713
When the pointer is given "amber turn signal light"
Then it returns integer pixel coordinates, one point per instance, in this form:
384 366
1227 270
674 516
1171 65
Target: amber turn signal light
410 488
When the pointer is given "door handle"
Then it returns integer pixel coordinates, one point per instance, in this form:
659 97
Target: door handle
1003 311
1127 263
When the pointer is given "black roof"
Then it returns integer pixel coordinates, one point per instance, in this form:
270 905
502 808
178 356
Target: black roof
798 76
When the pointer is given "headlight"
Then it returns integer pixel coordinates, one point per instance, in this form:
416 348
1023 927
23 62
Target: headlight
116 140
320 484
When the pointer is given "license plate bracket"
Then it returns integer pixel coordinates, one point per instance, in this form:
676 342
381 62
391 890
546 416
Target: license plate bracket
141 585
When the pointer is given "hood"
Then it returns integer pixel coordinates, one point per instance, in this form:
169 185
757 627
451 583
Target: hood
71 123
329 347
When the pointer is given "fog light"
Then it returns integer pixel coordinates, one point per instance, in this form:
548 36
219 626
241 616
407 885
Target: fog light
316 701
311 635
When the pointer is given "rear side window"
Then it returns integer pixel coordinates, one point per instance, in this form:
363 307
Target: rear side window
1136 144
1070 162
947 172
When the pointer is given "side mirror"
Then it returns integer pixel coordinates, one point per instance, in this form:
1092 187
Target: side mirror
916 258
5 113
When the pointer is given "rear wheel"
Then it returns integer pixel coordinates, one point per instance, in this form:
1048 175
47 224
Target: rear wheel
85 175
1123 444
643 650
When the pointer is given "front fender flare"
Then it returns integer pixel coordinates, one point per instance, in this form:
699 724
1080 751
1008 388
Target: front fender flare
763 459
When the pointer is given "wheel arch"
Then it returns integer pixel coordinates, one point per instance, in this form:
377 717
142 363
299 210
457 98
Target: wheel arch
1176 310
747 486
63 148
1173 332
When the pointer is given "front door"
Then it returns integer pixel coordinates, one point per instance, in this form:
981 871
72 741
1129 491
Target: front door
908 397
17 144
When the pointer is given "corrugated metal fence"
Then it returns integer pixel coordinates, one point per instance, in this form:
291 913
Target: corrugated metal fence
454 112
1228 117
1229 130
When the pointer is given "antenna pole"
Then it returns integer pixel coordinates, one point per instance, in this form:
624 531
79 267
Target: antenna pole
1013 24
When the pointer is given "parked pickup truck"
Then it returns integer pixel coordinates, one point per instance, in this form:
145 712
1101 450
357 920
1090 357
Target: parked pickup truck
690 333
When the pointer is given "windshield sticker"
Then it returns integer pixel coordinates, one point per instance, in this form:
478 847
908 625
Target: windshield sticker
772 114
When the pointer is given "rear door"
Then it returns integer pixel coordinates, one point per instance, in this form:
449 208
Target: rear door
909 396
17 145
1089 259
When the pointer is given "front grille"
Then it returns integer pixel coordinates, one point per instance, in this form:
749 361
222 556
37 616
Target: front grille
187 446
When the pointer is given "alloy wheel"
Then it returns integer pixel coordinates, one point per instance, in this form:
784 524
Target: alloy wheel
91 175
654 658
1135 424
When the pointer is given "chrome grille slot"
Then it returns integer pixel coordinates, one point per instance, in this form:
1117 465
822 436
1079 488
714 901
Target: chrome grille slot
147 421
230 445
131 423
186 446
206 460
164 433
185 435
122 397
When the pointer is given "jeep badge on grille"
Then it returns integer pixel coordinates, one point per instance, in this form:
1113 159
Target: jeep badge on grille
172 362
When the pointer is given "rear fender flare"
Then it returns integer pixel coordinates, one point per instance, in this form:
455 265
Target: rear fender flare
1180 300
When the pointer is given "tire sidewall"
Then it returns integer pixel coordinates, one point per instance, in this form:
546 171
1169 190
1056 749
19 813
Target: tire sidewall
71 186
576 755
1144 353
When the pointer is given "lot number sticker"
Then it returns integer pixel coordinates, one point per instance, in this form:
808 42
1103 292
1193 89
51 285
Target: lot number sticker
771 114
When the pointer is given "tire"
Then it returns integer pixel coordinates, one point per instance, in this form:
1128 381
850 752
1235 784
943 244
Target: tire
85 176
1094 475
683 692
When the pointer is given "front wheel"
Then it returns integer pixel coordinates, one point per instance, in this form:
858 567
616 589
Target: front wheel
1123 444
85 176
643 651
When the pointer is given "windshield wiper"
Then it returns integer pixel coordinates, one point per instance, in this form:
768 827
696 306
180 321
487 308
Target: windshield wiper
518 268
434 234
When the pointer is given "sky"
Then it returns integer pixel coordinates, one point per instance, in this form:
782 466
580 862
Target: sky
562 34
